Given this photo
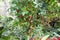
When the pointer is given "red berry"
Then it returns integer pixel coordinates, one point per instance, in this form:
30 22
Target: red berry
58 38
54 39
21 16
17 10
29 17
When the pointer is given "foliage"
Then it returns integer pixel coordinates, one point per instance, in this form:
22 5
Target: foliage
34 18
